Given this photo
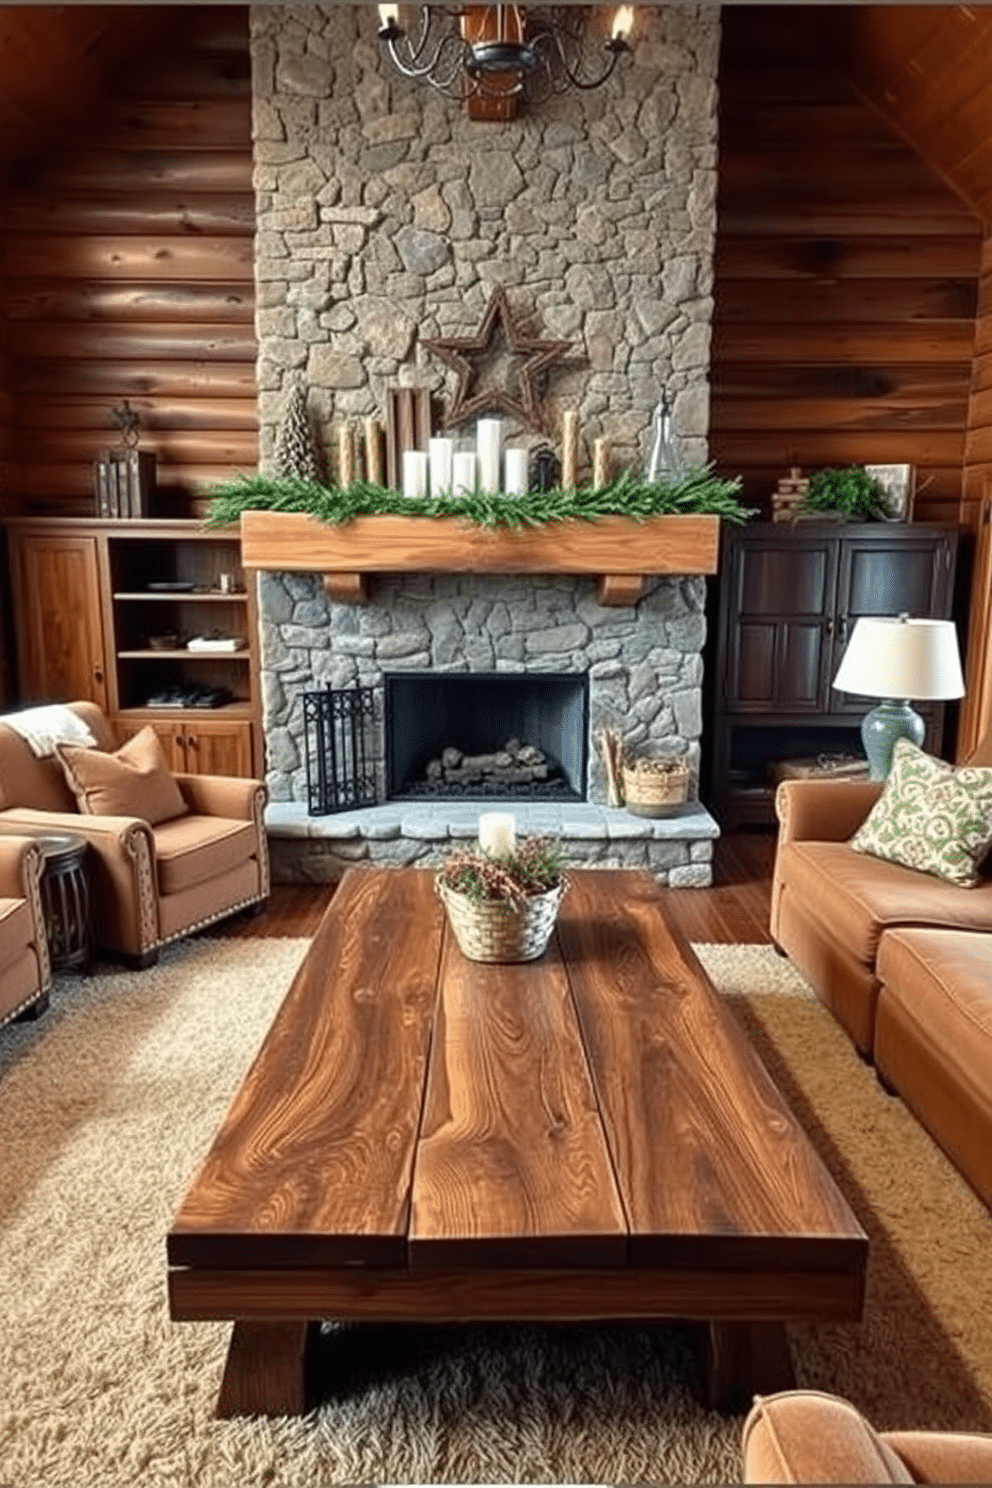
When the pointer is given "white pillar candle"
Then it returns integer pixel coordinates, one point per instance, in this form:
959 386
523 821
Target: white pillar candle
414 473
600 462
569 448
440 455
373 452
463 473
515 477
346 456
489 438
497 833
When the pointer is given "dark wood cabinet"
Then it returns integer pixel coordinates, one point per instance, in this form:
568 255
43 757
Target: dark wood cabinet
788 599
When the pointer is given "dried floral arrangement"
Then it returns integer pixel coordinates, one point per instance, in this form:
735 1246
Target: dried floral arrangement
534 867
696 491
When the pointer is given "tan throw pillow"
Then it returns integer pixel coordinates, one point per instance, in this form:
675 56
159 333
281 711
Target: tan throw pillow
133 782
931 816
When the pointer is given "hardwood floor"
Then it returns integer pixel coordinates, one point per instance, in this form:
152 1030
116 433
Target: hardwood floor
734 910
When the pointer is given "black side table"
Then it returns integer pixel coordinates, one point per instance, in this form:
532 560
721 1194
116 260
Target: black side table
65 899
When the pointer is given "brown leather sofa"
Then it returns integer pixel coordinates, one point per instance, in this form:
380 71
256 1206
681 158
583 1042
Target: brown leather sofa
830 905
24 966
149 884
902 959
802 1436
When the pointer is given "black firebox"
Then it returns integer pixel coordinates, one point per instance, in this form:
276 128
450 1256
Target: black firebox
473 735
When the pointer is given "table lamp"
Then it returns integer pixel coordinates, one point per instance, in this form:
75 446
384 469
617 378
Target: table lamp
898 660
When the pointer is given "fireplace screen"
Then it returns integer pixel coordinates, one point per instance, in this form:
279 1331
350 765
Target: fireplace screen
484 734
338 723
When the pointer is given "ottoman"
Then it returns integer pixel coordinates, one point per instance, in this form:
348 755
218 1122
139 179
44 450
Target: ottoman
933 1039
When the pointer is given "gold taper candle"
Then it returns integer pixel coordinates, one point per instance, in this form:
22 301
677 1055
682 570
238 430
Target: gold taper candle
346 455
569 448
600 461
373 452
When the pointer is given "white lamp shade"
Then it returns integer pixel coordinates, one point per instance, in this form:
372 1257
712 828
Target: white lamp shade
890 657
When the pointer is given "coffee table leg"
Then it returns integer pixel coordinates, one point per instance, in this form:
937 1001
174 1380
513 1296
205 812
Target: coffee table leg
265 1374
741 1360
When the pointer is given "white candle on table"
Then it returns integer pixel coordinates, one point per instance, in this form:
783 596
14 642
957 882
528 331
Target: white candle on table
346 456
600 461
569 448
373 452
463 473
440 455
414 473
497 832
515 477
489 437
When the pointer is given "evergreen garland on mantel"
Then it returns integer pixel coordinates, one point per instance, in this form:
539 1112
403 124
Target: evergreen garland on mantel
696 492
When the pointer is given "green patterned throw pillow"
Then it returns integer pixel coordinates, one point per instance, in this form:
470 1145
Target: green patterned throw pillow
931 816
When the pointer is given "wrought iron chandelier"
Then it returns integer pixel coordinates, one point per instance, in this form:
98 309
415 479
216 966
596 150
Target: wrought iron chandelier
504 52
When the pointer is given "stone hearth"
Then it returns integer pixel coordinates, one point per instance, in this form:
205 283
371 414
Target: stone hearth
644 667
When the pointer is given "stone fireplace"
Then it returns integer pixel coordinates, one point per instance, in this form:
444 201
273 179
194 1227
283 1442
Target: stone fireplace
385 217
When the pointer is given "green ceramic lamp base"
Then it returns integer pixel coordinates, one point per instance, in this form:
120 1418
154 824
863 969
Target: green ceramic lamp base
880 729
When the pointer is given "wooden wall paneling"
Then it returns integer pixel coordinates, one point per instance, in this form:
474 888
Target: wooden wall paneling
846 290
975 716
129 255
928 70
7 685
52 67
978 446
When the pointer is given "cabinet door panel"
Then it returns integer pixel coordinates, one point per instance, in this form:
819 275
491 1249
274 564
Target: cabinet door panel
800 667
214 747
785 580
888 576
60 635
776 626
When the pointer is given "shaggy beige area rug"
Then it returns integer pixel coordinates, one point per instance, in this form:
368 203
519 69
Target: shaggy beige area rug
108 1104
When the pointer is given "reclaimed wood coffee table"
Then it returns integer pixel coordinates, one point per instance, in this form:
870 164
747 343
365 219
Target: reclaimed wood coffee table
422 1138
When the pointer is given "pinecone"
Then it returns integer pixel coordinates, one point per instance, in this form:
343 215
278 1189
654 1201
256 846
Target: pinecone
294 456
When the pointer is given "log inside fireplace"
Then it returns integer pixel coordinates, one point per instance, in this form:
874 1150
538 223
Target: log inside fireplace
482 735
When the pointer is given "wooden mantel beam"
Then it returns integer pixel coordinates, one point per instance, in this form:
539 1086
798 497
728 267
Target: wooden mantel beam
619 551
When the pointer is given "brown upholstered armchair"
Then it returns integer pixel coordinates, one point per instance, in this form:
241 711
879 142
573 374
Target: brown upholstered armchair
24 966
802 1436
149 884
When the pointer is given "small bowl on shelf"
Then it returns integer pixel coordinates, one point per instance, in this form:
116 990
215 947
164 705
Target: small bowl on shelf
168 642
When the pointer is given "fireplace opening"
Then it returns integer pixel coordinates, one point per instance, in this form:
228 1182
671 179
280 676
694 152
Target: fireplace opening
473 735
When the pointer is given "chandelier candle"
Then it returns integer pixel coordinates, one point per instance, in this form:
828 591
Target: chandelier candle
463 472
414 473
497 833
489 437
569 448
440 456
515 477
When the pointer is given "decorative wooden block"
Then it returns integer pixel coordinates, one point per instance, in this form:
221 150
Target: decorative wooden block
408 426
789 495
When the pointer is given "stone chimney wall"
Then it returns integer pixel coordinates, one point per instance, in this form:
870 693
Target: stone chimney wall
385 214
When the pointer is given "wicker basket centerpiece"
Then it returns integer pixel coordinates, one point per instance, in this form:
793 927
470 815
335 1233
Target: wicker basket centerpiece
503 907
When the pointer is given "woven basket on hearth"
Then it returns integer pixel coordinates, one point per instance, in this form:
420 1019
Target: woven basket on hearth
654 787
493 930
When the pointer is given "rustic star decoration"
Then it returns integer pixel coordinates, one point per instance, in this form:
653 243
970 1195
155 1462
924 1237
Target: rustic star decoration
490 362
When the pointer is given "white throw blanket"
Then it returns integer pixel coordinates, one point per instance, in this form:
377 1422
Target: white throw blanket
49 725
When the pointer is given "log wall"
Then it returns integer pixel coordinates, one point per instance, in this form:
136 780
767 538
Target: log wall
846 274
127 267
